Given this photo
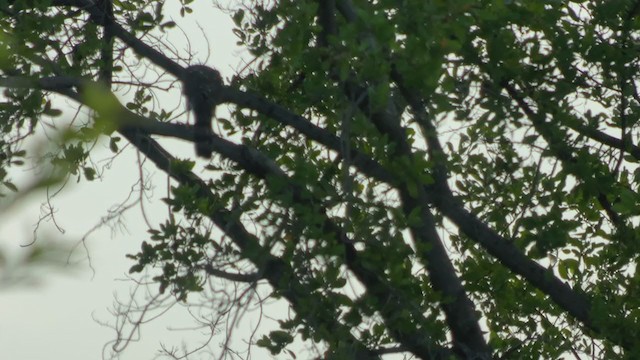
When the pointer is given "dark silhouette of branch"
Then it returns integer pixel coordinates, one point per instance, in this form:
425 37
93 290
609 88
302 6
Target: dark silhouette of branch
460 313
248 278
576 303
327 21
389 299
562 150
106 51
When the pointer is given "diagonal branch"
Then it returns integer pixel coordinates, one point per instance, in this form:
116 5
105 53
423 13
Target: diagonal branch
277 272
133 127
249 278
605 138
460 313
576 303
461 317
563 151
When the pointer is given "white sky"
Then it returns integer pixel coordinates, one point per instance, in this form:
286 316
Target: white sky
55 319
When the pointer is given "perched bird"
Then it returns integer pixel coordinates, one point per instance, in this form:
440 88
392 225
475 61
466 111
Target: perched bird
203 87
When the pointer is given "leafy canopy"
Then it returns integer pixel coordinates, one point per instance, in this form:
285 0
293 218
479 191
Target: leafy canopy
441 179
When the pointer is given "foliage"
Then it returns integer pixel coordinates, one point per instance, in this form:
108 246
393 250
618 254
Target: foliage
437 179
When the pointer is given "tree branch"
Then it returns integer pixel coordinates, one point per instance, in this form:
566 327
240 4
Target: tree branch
559 148
248 278
459 310
133 127
577 304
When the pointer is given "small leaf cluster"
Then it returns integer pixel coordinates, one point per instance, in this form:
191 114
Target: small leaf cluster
180 252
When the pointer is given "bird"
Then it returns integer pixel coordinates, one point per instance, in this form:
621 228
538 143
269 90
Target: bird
202 87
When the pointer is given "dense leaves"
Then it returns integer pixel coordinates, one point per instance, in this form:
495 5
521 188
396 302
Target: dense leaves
437 179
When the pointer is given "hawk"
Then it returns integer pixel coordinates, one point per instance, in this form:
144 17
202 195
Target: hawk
202 86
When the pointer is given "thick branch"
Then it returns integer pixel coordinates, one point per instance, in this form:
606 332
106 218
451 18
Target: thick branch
133 128
249 278
278 273
327 20
605 138
106 50
575 303
275 270
459 310
390 301
139 46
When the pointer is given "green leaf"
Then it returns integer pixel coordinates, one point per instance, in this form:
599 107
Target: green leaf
89 173
113 144
10 186
136 268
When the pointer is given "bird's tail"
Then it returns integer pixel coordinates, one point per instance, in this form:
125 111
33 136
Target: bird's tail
202 137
